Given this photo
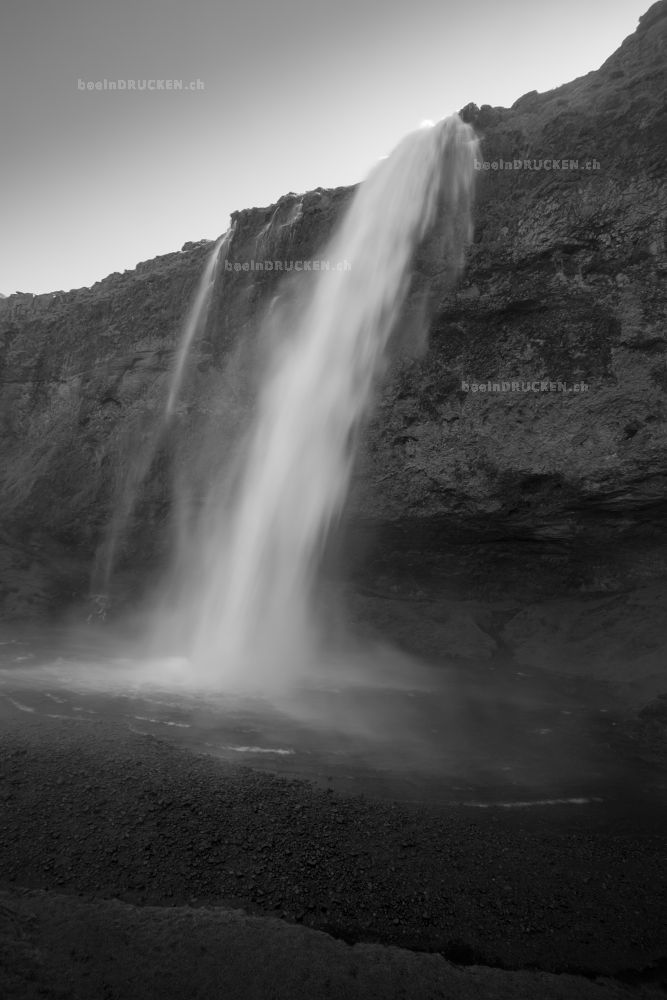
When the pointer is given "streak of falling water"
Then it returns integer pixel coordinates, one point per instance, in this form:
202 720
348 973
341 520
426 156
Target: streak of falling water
140 455
256 562
196 317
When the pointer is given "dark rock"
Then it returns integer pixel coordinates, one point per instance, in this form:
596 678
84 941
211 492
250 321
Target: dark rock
564 284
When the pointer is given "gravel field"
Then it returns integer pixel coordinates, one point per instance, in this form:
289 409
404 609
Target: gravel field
101 813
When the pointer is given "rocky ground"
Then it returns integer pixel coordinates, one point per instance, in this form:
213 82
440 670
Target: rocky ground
96 814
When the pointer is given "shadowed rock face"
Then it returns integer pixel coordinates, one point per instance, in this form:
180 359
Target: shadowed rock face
498 492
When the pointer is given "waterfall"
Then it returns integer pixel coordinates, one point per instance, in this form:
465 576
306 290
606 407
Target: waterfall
139 458
255 558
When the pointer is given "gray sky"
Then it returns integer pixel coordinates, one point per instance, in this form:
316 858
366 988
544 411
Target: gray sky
296 94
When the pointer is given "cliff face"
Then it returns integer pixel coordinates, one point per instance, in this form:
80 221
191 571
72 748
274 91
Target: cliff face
565 284
534 490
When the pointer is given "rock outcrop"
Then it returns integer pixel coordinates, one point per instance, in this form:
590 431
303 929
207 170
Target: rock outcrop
557 486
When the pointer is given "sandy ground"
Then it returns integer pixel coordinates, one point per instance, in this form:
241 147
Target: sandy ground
58 947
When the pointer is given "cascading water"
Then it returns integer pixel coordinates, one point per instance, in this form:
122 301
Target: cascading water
145 446
196 317
255 561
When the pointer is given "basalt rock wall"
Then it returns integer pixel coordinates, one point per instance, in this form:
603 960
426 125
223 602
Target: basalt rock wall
530 435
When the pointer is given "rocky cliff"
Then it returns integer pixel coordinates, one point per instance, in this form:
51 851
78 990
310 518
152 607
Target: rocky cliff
553 486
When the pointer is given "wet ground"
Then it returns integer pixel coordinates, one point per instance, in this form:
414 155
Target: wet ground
497 816
484 736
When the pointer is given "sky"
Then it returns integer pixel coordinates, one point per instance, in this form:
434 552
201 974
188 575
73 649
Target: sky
288 95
